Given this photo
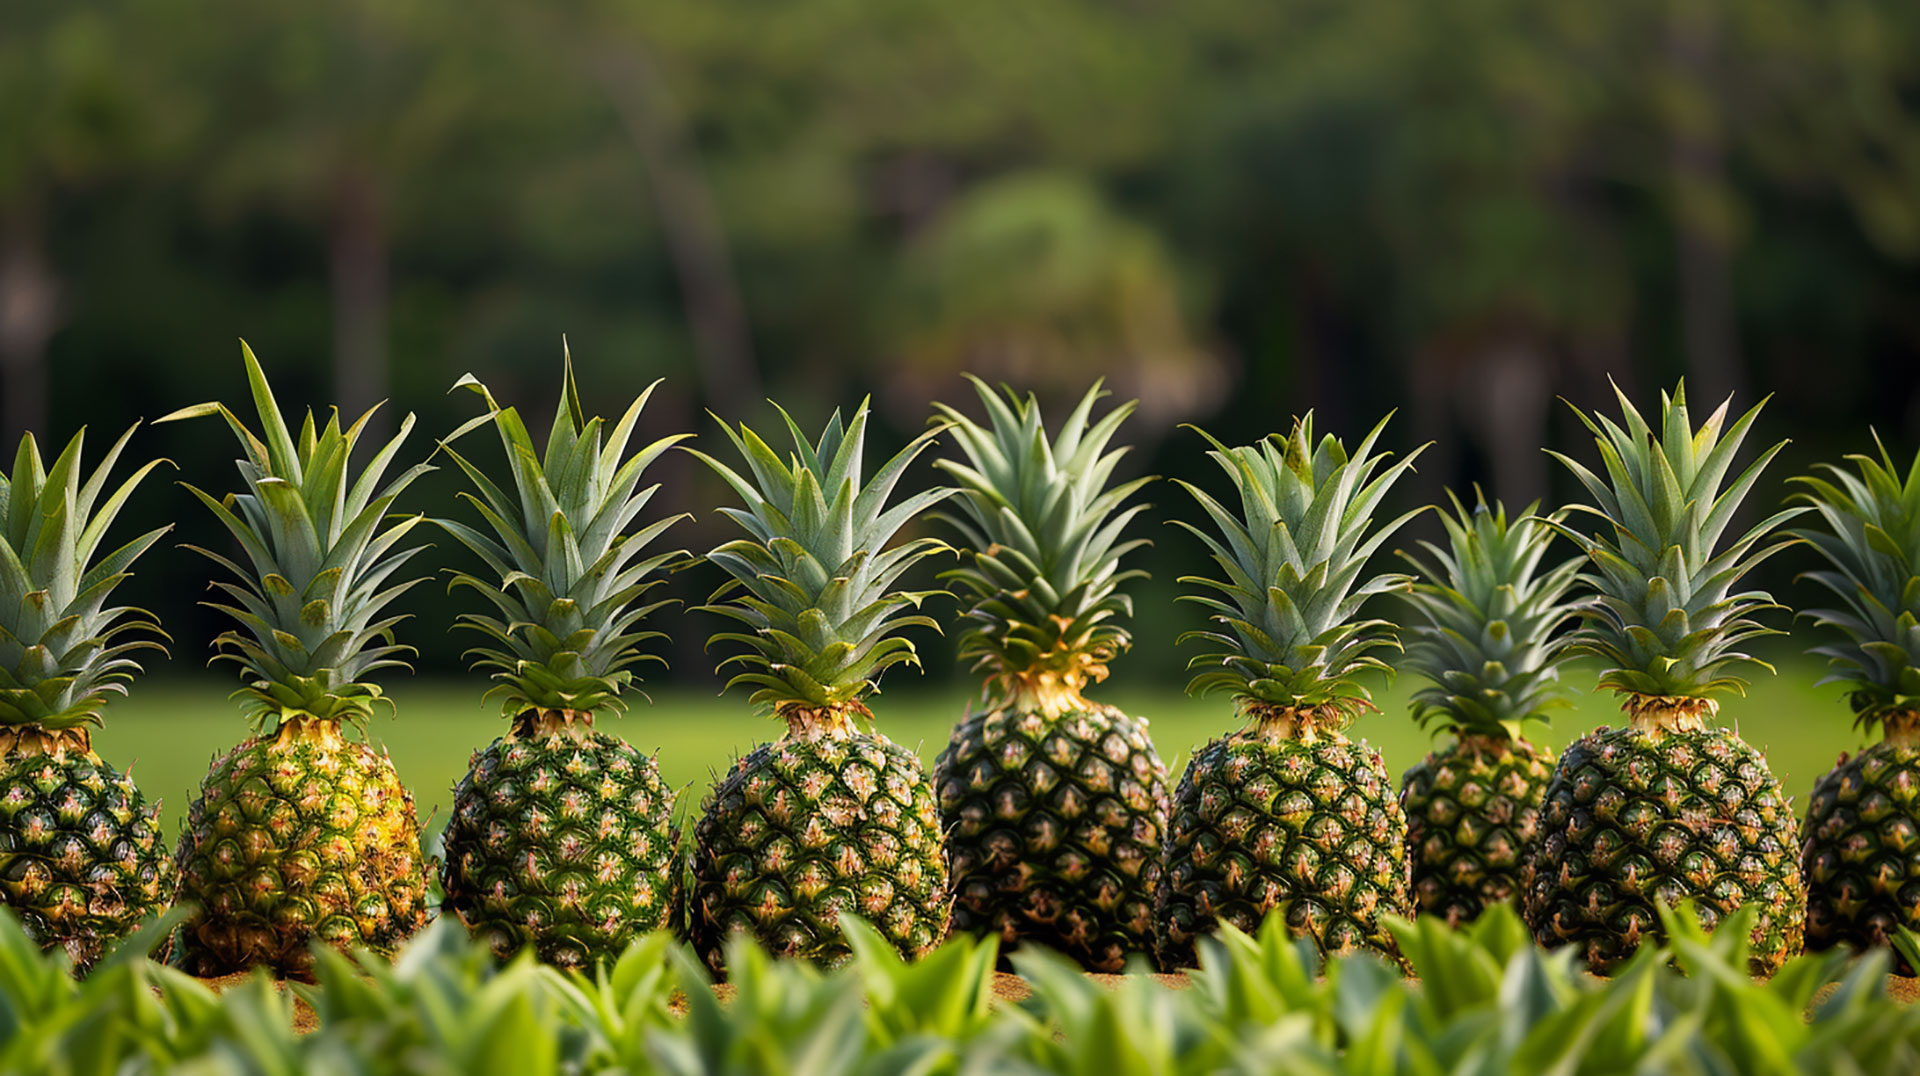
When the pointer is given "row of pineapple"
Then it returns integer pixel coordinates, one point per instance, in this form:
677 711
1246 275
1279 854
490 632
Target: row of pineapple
1047 818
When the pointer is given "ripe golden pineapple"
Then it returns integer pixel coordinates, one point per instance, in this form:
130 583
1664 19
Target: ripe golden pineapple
829 819
1672 806
1861 838
562 834
82 860
1288 816
1054 806
1490 647
301 834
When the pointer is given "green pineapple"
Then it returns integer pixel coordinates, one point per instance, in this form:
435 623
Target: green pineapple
1054 806
1861 850
829 818
301 834
1490 649
1288 816
82 859
562 834
1672 806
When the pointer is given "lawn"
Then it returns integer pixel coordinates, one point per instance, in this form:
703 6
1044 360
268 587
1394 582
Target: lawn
168 731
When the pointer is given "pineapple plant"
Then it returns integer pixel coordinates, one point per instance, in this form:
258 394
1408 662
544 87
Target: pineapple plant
1672 806
82 859
1861 836
829 818
304 833
562 834
1288 816
1489 645
1054 806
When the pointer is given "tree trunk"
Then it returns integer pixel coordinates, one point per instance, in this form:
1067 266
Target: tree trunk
1509 396
1432 421
357 266
29 313
1701 217
1490 385
696 242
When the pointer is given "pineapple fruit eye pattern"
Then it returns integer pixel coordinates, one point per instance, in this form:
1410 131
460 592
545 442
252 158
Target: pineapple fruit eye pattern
1054 806
1671 806
561 837
1486 637
830 819
82 859
302 834
1863 820
1288 817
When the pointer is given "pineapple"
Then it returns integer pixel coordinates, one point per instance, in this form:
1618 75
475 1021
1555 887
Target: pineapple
1861 851
1288 816
302 834
829 819
1490 649
562 834
82 859
1054 806
1672 806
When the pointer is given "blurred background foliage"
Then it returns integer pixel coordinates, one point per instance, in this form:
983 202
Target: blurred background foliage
1234 209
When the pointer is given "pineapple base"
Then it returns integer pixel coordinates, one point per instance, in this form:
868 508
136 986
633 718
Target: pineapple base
1311 830
1473 811
1637 817
563 842
808 827
299 836
1054 827
83 859
1861 852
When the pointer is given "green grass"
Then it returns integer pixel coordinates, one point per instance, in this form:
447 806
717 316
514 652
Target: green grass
168 732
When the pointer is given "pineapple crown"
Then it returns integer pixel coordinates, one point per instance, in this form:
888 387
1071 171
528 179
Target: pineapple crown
320 552
1490 644
813 581
1043 534
63 650
1872 541
1666 616
1292 557
562 572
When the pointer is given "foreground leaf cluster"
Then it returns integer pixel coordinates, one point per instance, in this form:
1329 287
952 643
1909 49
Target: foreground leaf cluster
1485 1001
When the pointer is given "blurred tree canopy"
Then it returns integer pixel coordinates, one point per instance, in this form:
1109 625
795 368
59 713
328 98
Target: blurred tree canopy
1237 210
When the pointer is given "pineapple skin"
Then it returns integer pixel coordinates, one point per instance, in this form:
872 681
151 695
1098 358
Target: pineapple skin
1473 815
563 844
1632 819
84 859
1310 828
295 840
1861 851
810 826
1054 827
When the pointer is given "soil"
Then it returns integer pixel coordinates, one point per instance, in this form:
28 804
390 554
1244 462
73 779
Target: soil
1012 989
304 1019
1900 988
1007 987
